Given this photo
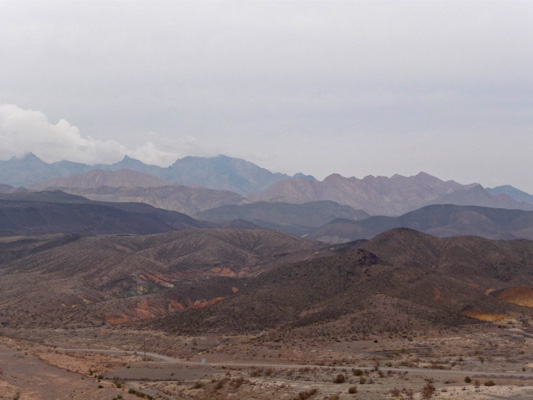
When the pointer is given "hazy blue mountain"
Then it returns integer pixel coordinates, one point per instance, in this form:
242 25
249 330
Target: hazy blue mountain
134 165
221 172
512 192
31 169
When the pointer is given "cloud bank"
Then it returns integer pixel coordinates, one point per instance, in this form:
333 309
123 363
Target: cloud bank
23 131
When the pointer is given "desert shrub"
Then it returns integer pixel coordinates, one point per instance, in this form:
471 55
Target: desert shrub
468 379
357 372
220 384
428 390
198 385
305 395
236 383
339 379
490 383
362 380
352 389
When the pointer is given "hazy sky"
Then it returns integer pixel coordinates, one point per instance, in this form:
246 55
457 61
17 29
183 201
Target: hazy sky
357 88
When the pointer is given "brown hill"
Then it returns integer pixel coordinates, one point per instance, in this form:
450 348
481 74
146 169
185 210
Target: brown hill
56 280
400 281
384 196
98 177
184 199
438 220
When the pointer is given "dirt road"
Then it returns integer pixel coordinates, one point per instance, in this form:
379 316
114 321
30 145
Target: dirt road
419 371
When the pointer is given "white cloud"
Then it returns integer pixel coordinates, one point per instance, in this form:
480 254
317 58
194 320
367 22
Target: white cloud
23 131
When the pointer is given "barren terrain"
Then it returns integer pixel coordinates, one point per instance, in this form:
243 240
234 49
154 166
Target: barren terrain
251 314
67 364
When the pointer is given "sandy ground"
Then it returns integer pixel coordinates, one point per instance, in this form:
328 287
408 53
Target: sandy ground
391 368
26 377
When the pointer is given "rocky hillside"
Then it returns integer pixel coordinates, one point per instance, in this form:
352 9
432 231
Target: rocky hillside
399 282
68 279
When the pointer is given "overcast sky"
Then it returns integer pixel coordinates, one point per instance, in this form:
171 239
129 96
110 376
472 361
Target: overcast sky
357 88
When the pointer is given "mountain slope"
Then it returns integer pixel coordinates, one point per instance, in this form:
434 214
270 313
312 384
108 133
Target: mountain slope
297 219
399 282
512 192
222 173
184 199
438 220
117 279
98 178
37 213
31 169
383 196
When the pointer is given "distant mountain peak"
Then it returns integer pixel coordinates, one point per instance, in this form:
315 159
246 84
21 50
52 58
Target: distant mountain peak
30 156
303 176
129 160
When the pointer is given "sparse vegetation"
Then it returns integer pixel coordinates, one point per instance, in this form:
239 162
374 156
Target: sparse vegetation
428 390
306 394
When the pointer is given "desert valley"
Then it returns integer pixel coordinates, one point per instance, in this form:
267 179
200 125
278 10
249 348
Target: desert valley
217 279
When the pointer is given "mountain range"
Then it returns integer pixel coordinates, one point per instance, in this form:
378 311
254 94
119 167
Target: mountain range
38 213
196 185
438 220
295 219
221 172
131 186
385 196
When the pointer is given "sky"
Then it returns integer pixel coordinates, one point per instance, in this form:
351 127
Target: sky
357 88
